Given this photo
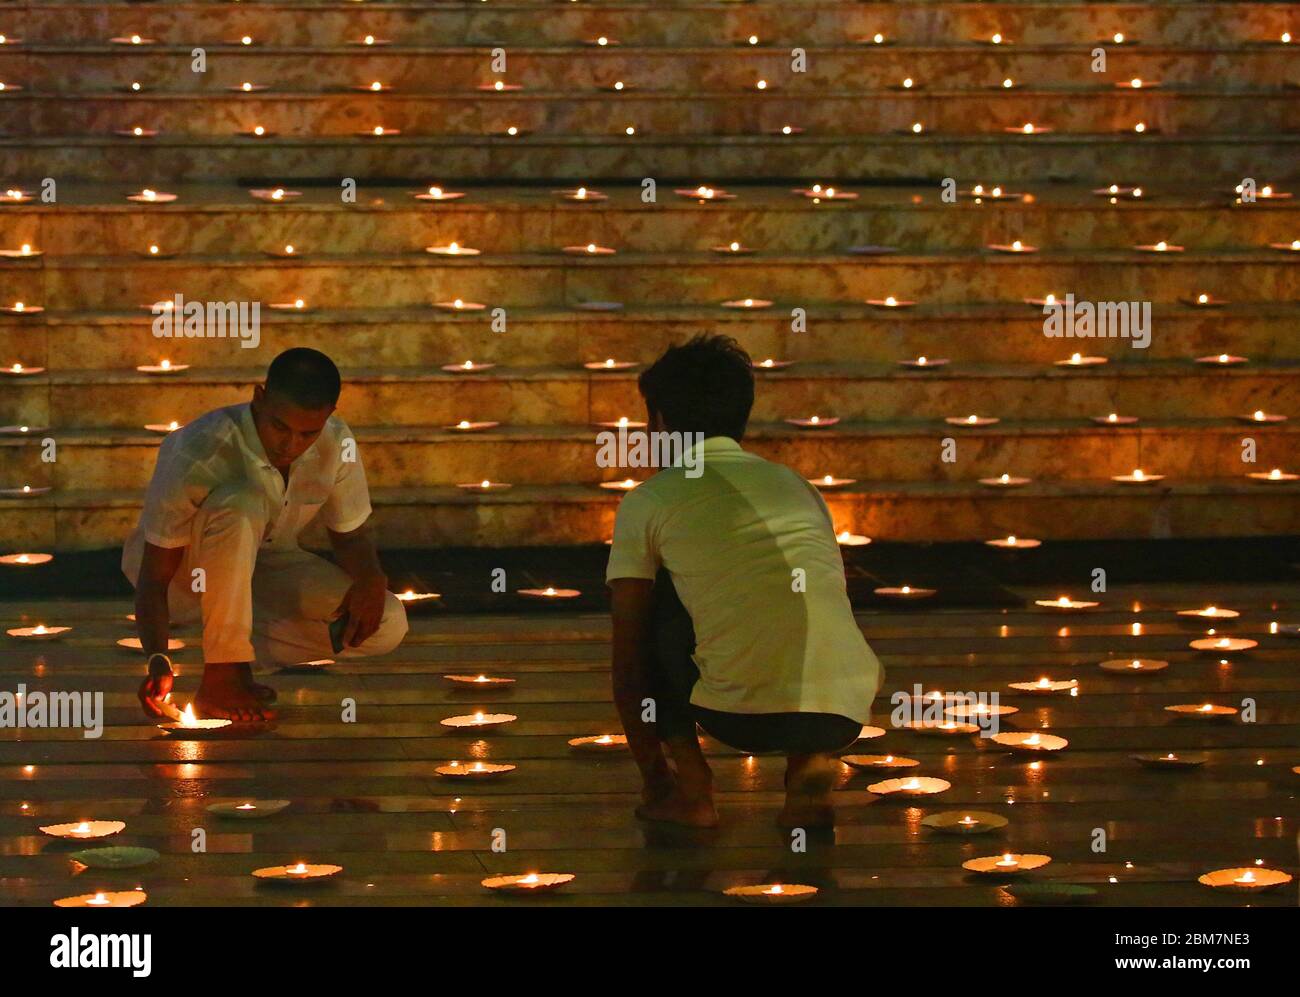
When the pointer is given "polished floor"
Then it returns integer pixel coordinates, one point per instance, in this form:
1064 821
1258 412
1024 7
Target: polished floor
365 795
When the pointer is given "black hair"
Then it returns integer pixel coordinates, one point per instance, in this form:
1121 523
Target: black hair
703 386
306 377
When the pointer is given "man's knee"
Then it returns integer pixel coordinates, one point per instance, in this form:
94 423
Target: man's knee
392 627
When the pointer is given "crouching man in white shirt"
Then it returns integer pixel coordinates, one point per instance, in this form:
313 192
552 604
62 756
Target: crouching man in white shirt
217 541
729 605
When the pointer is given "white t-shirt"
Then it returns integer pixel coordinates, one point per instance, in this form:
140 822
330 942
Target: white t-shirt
222 447
732 539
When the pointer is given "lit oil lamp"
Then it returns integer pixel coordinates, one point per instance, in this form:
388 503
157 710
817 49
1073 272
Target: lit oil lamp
1066 603
20 370
22 308
622 422
22 430
163 366
705 193
1114 419
469 426
162 427
374 86
1016 246
589 249
969 711
136 131
299 872
974 421
510 131
1223 645
913 786
1116 191
1005 480
747 304
814 422
1007 863
84 829
459 305
148 195
907 83
785 130
38 632
533 882
1138 477
1019 742
378 131
904 592
485 485
452 249
110 898
10 88
25 560
1273 476
1265 193
500 86
550 592
1013 542
274 195
1170 760
830 482
25 491
924 363
582 195
370 40
1287 247
846 539
1007 84
132 39
1137 83
1080 360
964 822
995 39
473 770
1028 128
772 893
890 302
247 809
1210 613
23 252
618 86
436 193
1245 880
296 305
257 131
479 719
247 87
879 761
626 485
732 249
1202 711
467 367
1133 666
767 363
1046 686
1158 247
481 682
410 596
942 728
1049 301
190 725
1259 415
599 743
14 195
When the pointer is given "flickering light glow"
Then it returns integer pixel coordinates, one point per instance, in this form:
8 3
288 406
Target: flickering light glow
599 743
533 882
479 719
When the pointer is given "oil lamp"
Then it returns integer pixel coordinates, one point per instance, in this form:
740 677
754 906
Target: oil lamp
600 743
467 367
479 719
550 592
772 893
531 883
473 770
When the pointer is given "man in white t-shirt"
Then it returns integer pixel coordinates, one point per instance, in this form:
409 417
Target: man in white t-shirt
729 604
217 541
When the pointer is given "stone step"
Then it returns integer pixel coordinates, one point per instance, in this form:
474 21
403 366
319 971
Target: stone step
1074 111
819 22
418 279
1222 158
426 456
964 334
95 219
541 396
943 65
542 515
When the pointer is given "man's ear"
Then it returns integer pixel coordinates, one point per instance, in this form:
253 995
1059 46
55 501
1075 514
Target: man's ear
259 392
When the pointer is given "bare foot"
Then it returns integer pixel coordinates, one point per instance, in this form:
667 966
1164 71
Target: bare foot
222 693
809 781
263 692
678 809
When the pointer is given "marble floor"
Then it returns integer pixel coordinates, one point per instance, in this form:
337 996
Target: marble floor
365 794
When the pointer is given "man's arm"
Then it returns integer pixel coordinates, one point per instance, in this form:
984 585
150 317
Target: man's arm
152 619
364 602
631 600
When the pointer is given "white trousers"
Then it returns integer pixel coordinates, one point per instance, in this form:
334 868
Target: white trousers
262 604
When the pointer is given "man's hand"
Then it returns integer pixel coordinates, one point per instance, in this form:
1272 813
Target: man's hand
364 607
157 687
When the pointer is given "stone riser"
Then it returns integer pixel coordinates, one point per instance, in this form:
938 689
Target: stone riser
982 112
945 515
532 221
577 398
1096 159
564 24
446 459
1009 335
418 280
689 70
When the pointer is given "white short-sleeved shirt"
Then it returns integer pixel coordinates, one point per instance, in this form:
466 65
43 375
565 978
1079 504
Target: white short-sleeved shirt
222 447
735 541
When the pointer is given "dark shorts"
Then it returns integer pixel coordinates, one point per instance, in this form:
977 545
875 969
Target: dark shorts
674 674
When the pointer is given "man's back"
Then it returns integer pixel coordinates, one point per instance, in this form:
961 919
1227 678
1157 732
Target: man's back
751 550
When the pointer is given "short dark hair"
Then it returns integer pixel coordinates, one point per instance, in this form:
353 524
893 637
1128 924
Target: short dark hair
703 386
306 377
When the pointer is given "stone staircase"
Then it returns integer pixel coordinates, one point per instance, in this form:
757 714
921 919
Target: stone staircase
1223 110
